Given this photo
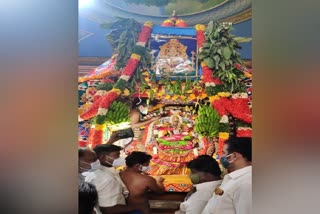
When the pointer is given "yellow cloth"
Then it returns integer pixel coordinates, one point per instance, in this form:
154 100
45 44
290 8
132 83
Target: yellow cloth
176 179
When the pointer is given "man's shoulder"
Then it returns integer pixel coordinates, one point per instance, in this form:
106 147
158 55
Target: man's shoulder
144 178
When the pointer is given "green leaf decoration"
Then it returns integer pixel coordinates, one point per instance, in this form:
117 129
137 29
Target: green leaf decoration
226 51
209 61
220 53
222 66
105 86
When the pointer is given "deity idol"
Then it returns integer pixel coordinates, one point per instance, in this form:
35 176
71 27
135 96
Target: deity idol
173 140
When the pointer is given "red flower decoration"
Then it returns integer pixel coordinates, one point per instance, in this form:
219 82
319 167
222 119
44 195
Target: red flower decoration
97 138
82 143
90 136
130 67
220 106
216 81
207 74
92 111
221 143
107 99
244 132
239 109
200 38
144 34
106 79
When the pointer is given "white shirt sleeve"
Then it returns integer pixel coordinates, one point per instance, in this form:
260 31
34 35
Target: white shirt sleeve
209 206
193 207
243 199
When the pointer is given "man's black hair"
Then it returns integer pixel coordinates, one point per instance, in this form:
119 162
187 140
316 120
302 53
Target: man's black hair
82 151
137 158
105 149
205 163
242 145
88 198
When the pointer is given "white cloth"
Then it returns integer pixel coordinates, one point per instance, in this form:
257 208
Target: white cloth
237 195
198 200
108 185
81 178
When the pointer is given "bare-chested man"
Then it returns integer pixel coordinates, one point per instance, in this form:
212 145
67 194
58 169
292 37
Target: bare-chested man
138 183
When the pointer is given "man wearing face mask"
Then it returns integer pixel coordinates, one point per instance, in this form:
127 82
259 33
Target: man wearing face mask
87 162
138 183
139 108
111 190
205 176
234 196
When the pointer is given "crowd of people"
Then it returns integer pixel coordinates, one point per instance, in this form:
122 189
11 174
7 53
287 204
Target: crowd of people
104 189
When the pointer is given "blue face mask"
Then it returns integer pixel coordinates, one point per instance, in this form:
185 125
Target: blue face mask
224 161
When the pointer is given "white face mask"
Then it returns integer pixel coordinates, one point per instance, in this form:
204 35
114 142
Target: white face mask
95 165
91 167
144 110
120 161
144 168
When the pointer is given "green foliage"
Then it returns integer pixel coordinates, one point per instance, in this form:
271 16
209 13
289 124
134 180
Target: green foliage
207 122
121 84
123 38
240 123
144 52
93 121
224 127
105 86
213 90
100 119
219 53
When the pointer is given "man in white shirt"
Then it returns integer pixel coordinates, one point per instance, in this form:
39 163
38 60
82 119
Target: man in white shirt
234 196
111 190
87 161
205 175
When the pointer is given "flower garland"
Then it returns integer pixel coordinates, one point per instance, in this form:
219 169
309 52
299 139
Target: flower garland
100 107
200 35
247 72
213 85
244 132
100 73
223 137
237 106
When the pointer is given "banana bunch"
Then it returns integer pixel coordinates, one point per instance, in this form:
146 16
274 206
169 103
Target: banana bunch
207 121
117 113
